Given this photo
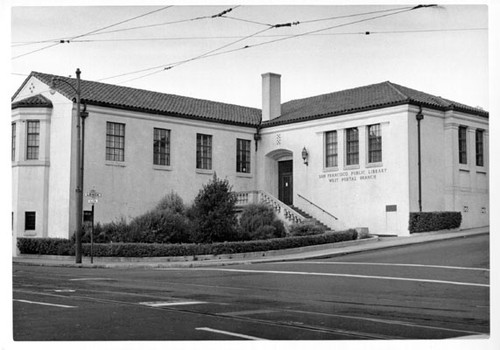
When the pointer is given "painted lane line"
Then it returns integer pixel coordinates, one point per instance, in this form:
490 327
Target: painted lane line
64 290
238 335
246 312
380 320
91 279
346 275
47 304
170 303
384 264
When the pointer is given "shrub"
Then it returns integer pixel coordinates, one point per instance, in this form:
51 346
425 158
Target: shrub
46 246
434 221
160 226
66 247
306 229
172 202
115 231
213 213
259 221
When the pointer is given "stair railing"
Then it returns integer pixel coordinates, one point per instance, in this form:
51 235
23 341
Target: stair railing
249 197
323 210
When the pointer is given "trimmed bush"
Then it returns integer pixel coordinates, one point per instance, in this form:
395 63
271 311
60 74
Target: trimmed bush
46 246
434 221
51 246
306 229
258 221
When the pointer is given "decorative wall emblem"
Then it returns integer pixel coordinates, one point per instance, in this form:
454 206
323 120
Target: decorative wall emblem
32 87
278 139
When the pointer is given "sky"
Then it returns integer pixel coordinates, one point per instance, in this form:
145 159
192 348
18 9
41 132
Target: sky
441 50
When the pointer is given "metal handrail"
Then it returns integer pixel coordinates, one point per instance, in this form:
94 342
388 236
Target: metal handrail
323 210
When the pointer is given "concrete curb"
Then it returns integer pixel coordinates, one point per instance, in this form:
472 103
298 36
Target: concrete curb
303 253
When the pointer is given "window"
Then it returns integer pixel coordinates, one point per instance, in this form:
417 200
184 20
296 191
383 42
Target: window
29 220
115 142
331 149
242 156
462 145
352 146
161 147
13 146
374 144
33 139
479 148
203 151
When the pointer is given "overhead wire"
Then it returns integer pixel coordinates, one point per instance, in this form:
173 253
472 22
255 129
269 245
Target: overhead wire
172 65
168 23
94 31
214 53
283 35
222 14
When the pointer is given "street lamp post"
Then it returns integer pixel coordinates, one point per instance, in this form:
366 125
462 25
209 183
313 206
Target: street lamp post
79 164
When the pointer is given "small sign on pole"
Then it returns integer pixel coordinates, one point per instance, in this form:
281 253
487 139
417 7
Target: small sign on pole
93 194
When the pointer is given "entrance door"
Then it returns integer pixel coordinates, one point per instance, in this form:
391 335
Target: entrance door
285 182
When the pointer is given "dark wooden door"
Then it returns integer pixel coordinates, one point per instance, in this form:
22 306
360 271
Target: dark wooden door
285 182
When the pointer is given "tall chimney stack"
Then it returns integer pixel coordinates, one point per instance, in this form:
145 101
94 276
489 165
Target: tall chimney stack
271 96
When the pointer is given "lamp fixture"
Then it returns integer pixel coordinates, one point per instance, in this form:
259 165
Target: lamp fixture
305 156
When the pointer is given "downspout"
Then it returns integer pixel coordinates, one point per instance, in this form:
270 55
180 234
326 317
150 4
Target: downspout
419 118
256 137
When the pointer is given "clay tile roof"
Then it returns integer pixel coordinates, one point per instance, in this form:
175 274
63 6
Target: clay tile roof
33 101
363 98
95 93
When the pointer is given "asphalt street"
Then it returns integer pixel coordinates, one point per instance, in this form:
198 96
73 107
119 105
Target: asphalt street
427 291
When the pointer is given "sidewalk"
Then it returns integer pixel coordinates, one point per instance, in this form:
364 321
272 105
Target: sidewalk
312 252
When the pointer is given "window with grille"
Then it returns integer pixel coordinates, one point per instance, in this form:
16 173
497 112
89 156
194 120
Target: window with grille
29 220
161 146
352 146
331 149
115 141
480 147
33 139
462 145
374 144
203 151
242 156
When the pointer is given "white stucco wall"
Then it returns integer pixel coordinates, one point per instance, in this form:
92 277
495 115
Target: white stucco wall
51 186
356 195
446 184
136 185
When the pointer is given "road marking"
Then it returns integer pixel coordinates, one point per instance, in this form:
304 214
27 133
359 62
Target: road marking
171 303
91 279
239 335
345 275
64 290
47 304
384 264
246 312
380 320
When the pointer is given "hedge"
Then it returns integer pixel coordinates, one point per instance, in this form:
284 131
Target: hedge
434 221
52 246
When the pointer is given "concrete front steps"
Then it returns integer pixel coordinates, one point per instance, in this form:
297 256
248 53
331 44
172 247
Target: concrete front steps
311 219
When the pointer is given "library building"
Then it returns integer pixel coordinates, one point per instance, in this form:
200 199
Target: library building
363 157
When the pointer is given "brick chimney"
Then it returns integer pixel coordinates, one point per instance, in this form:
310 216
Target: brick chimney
271 96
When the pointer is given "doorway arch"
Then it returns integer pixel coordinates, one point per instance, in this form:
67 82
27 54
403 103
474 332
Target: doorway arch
280 165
